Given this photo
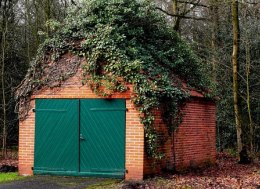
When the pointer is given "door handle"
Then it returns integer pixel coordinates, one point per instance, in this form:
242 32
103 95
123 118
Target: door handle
81 137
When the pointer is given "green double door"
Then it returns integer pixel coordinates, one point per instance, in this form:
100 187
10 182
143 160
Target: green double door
83 137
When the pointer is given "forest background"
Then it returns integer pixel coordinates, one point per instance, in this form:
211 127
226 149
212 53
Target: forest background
224 34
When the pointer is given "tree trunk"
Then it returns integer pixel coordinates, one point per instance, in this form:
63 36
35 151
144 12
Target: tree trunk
214 8
235 65
175 11
4 32
242 148
247 41
48 15
28 30
248 97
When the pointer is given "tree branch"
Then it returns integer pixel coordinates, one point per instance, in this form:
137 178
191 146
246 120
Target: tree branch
180 16
195 4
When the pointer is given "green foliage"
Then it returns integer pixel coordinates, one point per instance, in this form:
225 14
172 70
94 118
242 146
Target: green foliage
9 177
128 42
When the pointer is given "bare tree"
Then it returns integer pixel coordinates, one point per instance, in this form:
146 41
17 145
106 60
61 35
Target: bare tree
235 65
179 10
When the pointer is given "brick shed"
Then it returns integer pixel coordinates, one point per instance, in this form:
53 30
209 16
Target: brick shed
72 131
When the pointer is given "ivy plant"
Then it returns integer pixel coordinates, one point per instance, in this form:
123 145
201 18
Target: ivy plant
123 42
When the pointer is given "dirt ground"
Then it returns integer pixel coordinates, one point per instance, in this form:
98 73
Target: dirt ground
226 174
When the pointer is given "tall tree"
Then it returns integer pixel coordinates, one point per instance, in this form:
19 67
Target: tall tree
20 24
11 70
235 65
241 133
5 6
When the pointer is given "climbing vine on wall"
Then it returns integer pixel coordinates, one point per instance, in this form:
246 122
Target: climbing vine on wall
122 42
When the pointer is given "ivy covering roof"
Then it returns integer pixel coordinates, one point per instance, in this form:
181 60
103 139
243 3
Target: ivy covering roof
122 42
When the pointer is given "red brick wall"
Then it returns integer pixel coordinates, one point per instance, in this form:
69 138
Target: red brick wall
194 140
26 144
73 88
193 143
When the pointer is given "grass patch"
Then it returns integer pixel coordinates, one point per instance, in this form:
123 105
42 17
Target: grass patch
9 177
109 184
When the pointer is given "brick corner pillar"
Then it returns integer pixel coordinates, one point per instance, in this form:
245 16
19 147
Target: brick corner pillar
134 144
26 144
